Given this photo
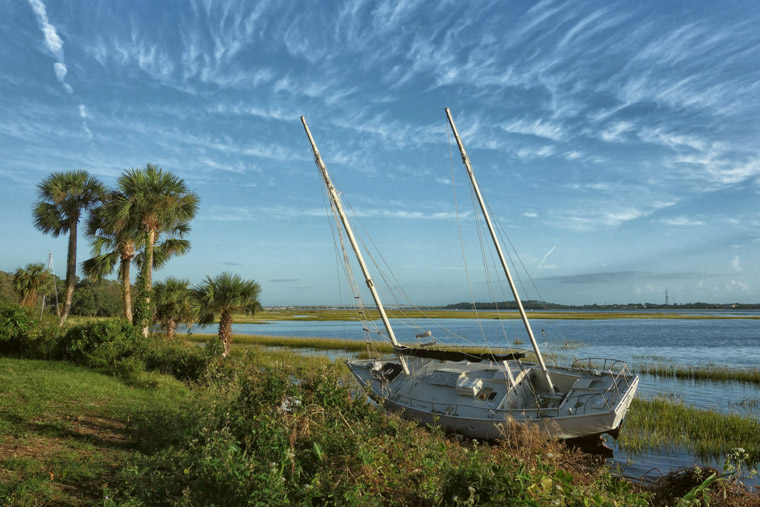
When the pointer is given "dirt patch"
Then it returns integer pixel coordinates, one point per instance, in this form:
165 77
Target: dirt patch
78 455
103 431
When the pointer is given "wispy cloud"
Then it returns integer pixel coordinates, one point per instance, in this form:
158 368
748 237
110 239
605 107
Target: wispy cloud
83 115
52 41
614 132
240 214
538 127
682 221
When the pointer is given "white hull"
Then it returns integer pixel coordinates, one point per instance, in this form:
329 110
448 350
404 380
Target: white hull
479 399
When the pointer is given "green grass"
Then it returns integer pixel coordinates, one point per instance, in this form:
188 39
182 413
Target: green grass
65 430
294 342
71 436
663 424
305 342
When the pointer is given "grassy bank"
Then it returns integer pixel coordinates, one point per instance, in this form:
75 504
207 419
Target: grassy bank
258 431
66 431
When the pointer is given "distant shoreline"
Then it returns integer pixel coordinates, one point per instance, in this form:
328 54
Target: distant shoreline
351 315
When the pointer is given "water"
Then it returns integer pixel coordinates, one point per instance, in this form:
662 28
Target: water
733 343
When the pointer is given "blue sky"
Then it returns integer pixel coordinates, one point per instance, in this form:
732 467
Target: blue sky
618 143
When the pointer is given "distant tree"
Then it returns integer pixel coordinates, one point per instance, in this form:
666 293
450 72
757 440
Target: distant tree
161 204
97 298
29 282
119 238
223 295
173 304
8 293
63 197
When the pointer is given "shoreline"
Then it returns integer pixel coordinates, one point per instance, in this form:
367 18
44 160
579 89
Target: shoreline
351 315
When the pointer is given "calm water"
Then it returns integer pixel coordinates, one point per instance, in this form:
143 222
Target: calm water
734 343
731 343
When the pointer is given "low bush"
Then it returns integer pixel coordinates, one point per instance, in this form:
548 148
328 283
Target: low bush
276 436
24 334
113 345
183 361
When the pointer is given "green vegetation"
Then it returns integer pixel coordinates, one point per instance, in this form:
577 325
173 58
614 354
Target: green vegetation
173 304
664 424
222 295
261 426
305 342
296 342
65 431
251 428
701 372
95 299
63 197
158 204
29 282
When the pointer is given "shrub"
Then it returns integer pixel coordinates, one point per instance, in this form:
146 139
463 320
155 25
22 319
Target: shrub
25 334
185 362
102 344
288 436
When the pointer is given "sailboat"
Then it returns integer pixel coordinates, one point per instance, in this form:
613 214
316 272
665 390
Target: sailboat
480 394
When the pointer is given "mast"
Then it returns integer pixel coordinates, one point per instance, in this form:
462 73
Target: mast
471 175
349 232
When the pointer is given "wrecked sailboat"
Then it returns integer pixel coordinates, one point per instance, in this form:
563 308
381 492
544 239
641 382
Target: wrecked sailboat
478 394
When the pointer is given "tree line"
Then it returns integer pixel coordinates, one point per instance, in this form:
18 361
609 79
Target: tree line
144 222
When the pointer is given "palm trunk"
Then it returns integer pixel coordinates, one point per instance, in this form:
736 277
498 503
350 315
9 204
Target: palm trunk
126 288
171 329
225 331
148 270
71 269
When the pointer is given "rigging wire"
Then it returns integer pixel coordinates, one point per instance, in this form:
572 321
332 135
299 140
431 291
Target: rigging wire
461 238
358 305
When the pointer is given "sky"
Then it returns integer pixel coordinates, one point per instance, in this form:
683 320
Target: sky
617 143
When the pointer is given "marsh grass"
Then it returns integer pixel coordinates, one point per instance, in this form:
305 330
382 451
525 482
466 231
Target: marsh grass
302 342
298 342
352 315
665 424
711 372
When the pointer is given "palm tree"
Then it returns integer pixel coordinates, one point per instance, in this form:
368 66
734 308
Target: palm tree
160 203
117 239
114 240
29 282
173 304
223 295
63 197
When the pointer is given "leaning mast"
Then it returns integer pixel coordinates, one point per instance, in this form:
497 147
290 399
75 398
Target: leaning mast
349 232
471 175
